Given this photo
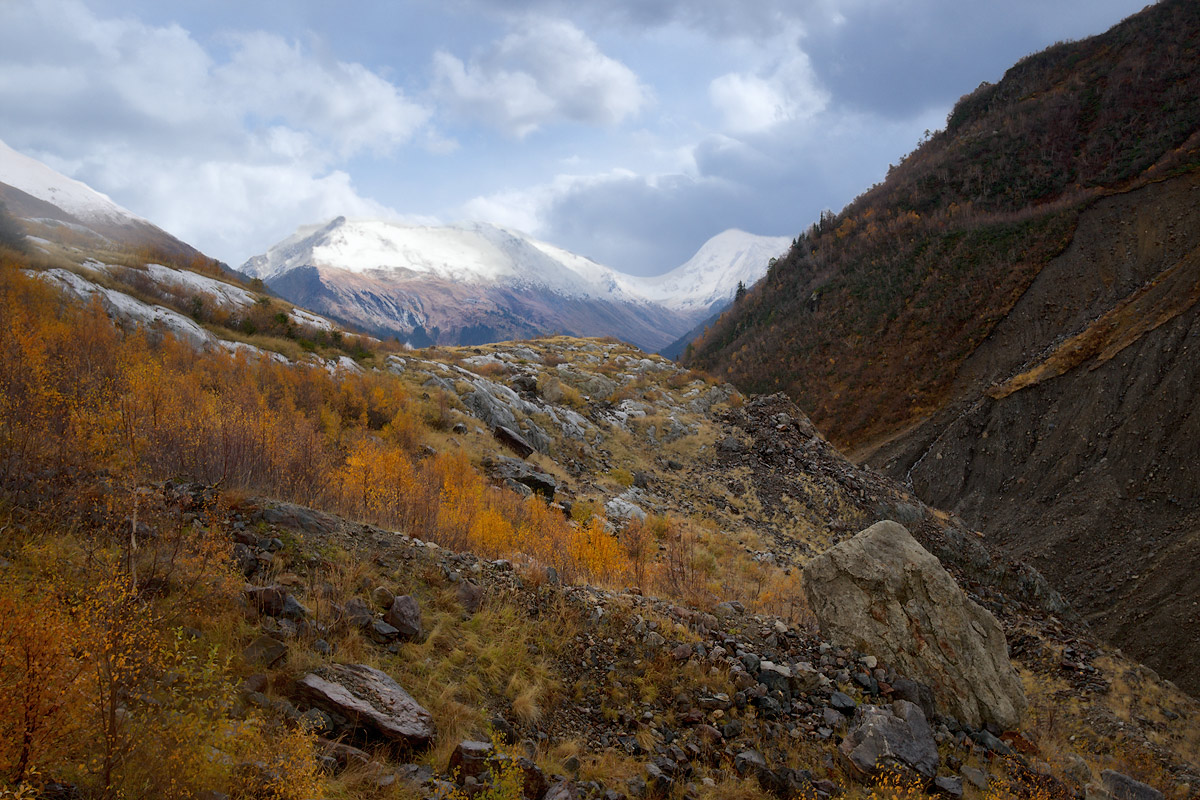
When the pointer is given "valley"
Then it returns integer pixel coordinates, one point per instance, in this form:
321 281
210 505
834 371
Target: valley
904 506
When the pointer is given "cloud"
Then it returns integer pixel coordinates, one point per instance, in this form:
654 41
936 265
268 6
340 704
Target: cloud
215 148
717 18
774 182
549 71
345 104
750 102
235 207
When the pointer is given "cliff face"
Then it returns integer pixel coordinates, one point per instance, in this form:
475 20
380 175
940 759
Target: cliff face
1074 438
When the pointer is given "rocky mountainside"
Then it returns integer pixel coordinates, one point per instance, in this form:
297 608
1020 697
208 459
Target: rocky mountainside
545 569
474 282
1005 323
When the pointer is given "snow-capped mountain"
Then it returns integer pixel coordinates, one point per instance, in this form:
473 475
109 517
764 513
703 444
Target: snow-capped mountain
474 282
470 252
709 279
77 199
59 208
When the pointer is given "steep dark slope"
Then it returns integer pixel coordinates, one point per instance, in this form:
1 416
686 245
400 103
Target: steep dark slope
868 319
1010 322
1081 456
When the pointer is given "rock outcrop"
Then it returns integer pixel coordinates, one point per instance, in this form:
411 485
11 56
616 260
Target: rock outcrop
368 699
882 593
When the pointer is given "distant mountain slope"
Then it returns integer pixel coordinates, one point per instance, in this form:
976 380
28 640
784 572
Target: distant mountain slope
1007 322
67 211
708 280
471 283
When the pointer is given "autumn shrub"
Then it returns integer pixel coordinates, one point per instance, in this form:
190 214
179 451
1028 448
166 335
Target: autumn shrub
38 691
78 392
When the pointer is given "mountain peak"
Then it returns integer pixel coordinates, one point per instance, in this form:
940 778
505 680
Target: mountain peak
710 277
76 198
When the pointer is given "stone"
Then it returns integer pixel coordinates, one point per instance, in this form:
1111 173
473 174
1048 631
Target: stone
513 441
382 632
356 613
882 739
563 790
370 700
470 595
293 609
1123 787
405 616
914 692
527 475
775 677
382 597
623 509
977 778
881 592
489 410
748 762
805 678
268 600
786 783
289 515
948 787
264 652
724 610
469 760
840 701
343 755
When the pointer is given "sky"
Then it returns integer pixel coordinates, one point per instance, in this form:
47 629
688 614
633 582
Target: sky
629 131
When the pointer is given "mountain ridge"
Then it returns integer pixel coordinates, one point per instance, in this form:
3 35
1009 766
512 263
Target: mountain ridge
472 282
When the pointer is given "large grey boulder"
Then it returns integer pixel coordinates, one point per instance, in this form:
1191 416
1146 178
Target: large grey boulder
882 593
883 739
370 700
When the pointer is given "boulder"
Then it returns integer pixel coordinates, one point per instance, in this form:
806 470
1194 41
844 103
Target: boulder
883 739
370 700
622 508
882 593
405 616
